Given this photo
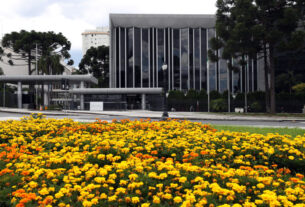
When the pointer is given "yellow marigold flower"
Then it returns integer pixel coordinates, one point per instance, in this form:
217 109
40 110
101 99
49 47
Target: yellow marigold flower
177 199
182 179
43 191
103 196
259 202
133 177
112 198
156 199
145 205
33 184
260 185
291 157
168 196
135 200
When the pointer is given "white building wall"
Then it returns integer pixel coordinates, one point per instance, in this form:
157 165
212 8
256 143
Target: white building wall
95 38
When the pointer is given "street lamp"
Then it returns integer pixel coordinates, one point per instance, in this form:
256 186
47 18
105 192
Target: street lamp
165 113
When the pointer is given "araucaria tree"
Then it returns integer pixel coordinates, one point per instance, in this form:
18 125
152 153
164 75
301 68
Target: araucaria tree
51 47
96 61
257 29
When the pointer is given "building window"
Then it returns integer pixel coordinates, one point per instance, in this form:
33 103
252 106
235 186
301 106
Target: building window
122 57
212 65
197 59
130 57
160 57
137 52
204 59
191 60
145 52
176 53
184 58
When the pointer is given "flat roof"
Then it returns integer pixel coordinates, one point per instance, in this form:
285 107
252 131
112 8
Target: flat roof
116 91
47 78
163 20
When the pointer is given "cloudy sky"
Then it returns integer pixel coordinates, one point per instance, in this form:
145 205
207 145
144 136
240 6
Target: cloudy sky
72 17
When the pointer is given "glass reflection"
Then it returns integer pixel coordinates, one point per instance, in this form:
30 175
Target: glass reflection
130 58
137 54
176 52
145 57
184 59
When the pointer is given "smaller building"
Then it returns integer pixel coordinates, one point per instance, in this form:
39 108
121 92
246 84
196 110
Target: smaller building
95 38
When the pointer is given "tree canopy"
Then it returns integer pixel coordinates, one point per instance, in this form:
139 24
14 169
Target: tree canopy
96 61
258 28
51 47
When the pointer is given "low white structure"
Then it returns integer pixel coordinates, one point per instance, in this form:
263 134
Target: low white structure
48 79
95 38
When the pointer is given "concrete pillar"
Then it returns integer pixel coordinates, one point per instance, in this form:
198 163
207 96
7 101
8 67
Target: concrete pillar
46 95
143 102
19 95
82 101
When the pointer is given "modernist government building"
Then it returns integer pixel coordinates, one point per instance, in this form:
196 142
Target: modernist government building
142 43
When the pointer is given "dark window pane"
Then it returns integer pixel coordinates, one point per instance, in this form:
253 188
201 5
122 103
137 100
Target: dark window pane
117 56
145 57
204 59
130 58
137 46
176 47
212 65
191 60
197 59
222 73
122 57
160 57
184 58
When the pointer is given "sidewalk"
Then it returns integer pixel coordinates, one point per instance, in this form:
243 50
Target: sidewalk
158 114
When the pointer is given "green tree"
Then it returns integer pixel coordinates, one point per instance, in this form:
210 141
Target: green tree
96 61
22 46
246 28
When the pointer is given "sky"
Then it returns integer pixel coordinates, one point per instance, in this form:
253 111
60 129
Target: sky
72 17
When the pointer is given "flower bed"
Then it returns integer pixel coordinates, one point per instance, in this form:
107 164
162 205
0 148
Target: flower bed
48 162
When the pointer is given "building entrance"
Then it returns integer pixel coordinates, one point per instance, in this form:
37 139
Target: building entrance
133 102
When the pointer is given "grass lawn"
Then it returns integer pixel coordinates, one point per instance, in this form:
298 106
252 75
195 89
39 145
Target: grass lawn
293 132
296 115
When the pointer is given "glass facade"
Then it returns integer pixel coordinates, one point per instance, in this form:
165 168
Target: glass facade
130 59
139 53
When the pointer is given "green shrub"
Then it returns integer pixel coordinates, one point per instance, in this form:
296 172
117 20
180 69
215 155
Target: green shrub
219 105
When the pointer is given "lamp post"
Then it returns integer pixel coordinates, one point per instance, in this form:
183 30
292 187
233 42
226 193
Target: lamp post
165 113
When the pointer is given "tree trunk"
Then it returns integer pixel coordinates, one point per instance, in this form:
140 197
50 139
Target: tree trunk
266 69
272 80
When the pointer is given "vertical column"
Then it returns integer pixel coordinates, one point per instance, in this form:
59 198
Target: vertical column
143 102
208 69
82 101
194 63
200 61
133 57
149 68
153 56
19 95
125 58
173 65
188 61
115 58
157 57
46 95
141 40
120 57
180 58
